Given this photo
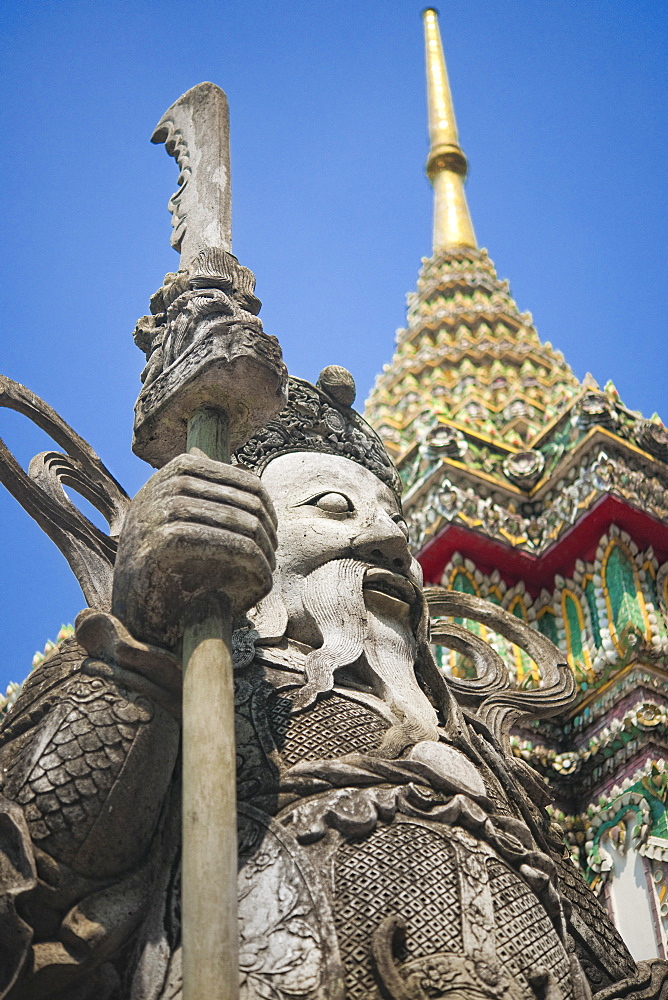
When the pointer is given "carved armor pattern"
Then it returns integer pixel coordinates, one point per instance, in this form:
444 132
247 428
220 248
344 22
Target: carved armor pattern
84 748
591 921
37 689
332 727
404 868
525 938
287 946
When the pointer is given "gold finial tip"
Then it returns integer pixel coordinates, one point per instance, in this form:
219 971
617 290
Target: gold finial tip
446 164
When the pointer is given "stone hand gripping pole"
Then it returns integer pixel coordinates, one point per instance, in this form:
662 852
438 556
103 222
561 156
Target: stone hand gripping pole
213 378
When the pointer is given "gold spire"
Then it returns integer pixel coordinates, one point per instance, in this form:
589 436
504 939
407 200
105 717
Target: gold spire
446 163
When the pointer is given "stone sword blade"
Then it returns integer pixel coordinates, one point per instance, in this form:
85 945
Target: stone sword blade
196 132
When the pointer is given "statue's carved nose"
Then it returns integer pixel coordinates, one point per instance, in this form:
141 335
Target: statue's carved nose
383 545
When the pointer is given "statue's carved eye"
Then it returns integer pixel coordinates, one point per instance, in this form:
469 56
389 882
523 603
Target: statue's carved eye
331 503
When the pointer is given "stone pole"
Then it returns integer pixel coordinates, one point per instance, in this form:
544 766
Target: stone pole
219 384
210 926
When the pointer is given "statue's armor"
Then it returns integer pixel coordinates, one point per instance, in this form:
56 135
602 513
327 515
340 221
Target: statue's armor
456 896
89 758
359 877
76 749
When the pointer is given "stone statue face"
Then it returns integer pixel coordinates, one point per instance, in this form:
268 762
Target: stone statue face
347 580
330 508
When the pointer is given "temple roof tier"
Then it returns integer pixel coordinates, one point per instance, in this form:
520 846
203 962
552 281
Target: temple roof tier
468 355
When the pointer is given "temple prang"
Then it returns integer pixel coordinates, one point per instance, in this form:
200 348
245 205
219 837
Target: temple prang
547 496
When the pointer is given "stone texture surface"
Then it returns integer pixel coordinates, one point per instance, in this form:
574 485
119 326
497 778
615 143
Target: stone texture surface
196 132
205 347
90 552
197 527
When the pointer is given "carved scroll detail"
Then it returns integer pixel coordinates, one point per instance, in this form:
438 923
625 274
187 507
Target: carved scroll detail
89 551
493 694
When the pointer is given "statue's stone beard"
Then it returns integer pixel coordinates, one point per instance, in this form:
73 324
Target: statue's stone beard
380 648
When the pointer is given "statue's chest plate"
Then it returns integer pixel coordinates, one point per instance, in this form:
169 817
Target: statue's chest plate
334 726
272 737
467 918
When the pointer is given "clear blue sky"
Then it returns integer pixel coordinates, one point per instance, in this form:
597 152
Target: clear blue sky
562 114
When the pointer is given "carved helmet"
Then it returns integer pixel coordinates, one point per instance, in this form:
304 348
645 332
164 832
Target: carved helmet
320 418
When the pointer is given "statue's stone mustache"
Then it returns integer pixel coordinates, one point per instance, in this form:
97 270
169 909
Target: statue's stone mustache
367 621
